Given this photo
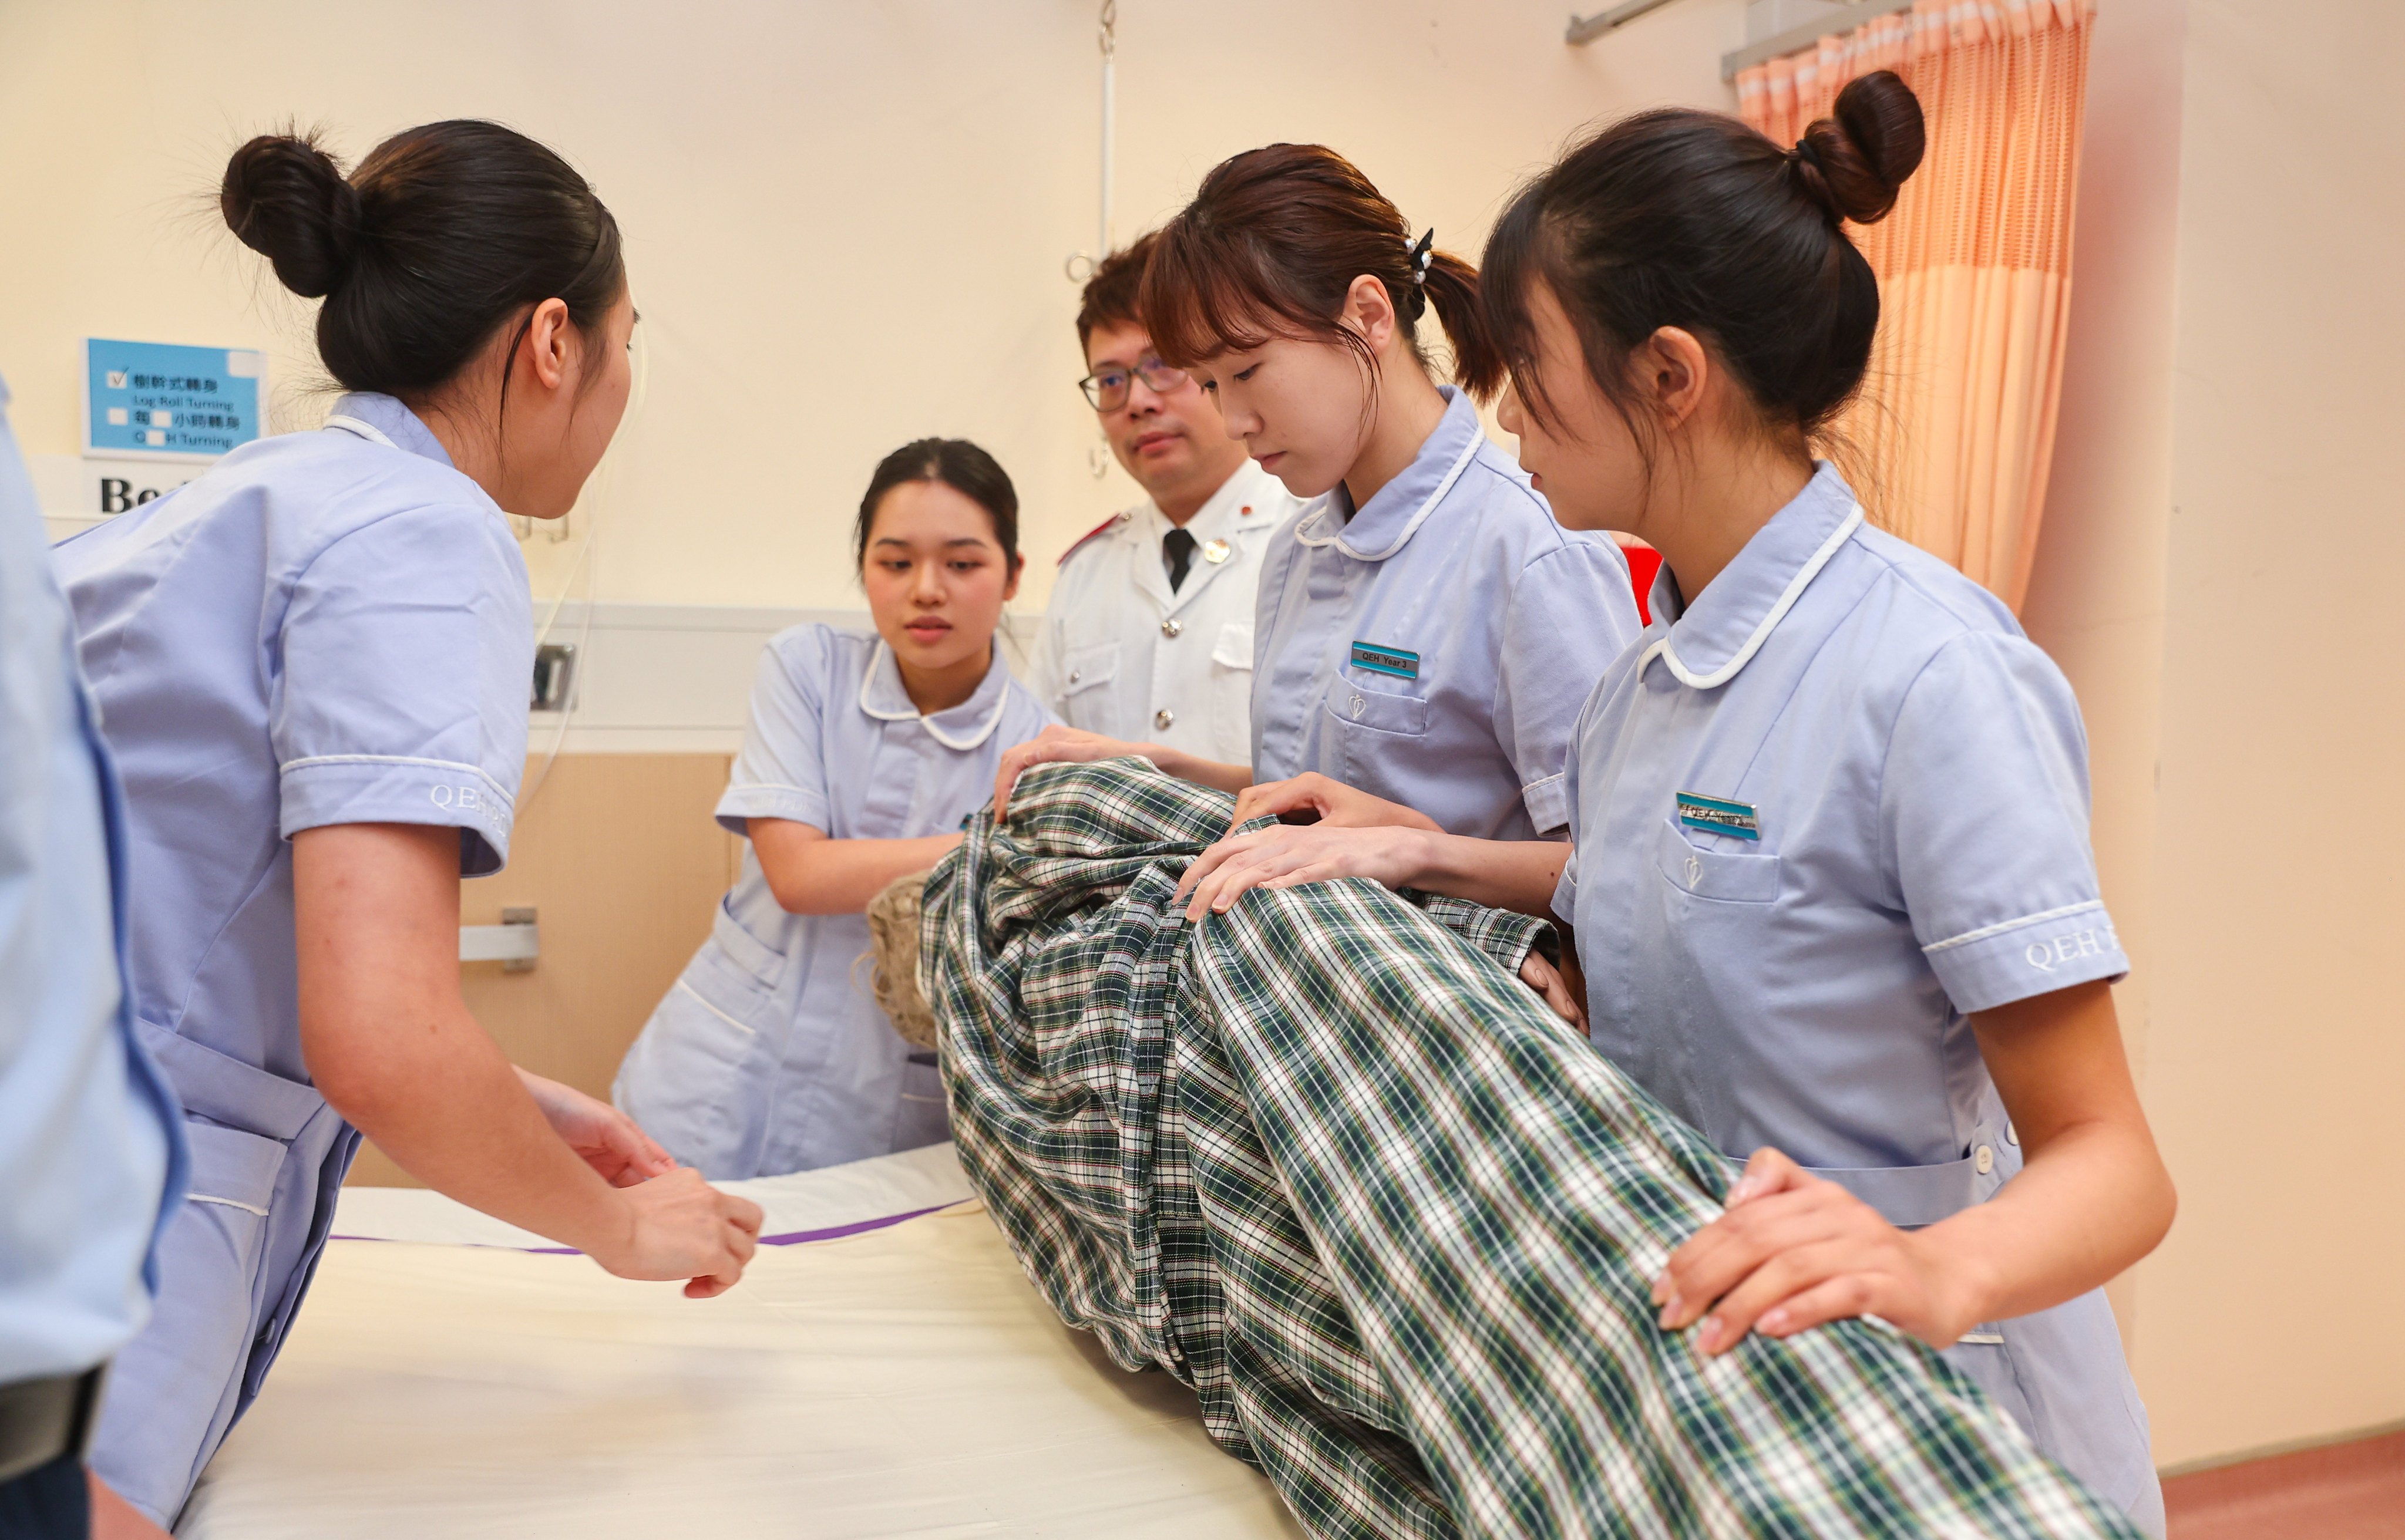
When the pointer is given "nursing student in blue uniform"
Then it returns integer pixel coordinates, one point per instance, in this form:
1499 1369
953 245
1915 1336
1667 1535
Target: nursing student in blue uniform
1831 877
1425 630
312 665
865 751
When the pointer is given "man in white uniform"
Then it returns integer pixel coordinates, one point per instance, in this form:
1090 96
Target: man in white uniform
1149 634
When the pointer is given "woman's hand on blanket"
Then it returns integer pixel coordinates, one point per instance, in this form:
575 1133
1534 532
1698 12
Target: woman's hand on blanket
609 1140
1290 855
1314 798
1793 1251
1058 745
679 1226
1547 980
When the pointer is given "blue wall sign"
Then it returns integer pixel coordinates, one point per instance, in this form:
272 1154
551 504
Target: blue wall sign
163 399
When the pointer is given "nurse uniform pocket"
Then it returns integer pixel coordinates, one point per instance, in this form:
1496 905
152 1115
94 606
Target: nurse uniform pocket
697 1079
764 962
1084 670
921 1117
1365 709
1231 689
185 1371
1725 876
1374 728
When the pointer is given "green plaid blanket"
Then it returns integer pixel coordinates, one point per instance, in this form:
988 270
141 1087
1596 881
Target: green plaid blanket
1326 1161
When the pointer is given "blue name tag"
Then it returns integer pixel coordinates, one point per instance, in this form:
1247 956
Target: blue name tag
1719 816
1386 660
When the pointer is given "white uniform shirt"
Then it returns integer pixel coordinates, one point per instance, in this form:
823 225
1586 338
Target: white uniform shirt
1123 656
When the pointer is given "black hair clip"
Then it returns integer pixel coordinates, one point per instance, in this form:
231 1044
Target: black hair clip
1420 255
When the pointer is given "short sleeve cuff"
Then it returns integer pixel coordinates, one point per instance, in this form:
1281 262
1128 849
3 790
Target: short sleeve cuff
2020 959
1548 801
1566 890
334 788
759 799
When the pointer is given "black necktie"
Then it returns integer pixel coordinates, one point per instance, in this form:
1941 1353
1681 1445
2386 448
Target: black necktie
1176 554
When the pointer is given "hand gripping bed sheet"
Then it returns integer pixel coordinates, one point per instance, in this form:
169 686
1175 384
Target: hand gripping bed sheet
1326 1160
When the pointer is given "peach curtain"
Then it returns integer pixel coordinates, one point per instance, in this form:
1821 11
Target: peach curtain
1956 427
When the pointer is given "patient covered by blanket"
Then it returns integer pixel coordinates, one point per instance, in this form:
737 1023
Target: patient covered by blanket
1326 1160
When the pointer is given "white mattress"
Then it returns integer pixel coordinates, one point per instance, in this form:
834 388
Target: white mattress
871 1376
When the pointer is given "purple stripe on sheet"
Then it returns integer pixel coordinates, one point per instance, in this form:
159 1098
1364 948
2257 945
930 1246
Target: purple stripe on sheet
791 1237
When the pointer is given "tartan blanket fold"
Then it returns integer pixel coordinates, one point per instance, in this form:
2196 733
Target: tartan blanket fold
1326 1161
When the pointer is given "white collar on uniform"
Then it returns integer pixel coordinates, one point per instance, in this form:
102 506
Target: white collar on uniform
1381 527
882 697
382 420
1719 634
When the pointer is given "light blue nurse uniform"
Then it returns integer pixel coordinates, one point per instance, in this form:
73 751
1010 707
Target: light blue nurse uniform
325 628
769 1054
1831 808
1433 648
90 1136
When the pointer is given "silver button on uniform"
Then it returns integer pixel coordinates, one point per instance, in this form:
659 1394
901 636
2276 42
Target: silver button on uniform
1171 626
1164 718
1984 1161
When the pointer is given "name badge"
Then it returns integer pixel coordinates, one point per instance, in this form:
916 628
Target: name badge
1386 660
1719 816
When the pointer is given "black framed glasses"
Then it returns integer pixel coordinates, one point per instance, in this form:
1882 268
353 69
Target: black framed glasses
1107 388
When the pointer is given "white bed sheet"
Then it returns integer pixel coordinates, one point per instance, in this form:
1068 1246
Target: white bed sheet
900 1380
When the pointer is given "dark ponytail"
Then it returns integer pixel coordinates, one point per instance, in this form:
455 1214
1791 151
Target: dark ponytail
1272 241
1685 218
441 236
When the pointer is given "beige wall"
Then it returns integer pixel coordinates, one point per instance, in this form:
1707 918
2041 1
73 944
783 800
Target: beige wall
621 861
2096 591
2278 1051
846 223
2223 545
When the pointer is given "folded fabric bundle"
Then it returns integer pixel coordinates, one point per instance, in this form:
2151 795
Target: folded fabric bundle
1326 1160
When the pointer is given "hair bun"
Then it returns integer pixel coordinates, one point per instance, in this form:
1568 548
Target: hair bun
287 199
1854 162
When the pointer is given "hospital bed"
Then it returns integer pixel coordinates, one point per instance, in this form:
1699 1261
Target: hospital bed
884 1369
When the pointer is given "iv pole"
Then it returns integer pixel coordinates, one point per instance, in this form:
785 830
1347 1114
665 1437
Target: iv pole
1080 265
1110 42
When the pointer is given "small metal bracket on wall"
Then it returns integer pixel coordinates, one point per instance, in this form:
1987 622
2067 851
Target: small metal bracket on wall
555 677
1587 29
515 943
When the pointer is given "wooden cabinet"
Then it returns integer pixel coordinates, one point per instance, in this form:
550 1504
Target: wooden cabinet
622 861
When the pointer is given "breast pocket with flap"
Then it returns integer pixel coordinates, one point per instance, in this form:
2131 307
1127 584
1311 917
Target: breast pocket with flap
1728 876
1089 667
1231 689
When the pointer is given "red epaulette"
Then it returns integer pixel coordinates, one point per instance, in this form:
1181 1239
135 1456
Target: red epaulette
1079 543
